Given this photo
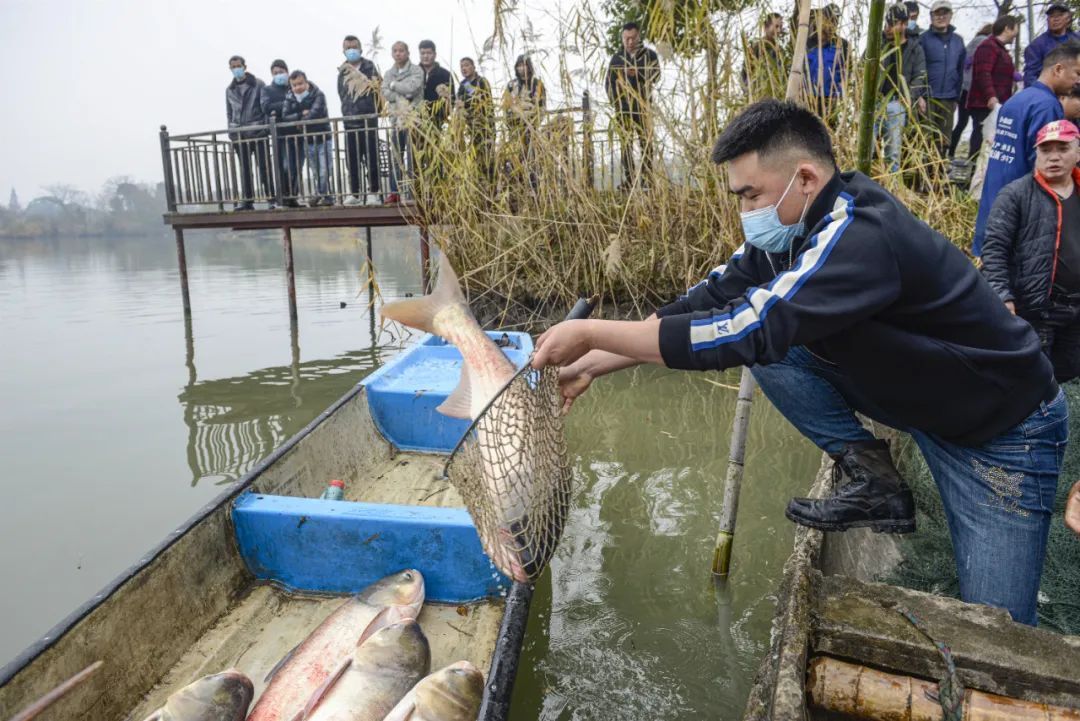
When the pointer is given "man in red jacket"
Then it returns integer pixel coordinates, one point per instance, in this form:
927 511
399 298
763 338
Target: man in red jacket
992 72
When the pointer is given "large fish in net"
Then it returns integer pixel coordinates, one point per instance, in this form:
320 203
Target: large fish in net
511 467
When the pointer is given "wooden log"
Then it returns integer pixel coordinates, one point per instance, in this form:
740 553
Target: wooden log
864 693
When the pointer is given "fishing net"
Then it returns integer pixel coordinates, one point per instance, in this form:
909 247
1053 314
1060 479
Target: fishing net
929 563
512 471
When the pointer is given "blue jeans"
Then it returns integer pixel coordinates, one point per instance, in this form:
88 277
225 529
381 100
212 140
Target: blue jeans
319 158
998 497
895 120
398 159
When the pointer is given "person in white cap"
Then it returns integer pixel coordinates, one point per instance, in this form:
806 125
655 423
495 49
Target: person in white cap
945 55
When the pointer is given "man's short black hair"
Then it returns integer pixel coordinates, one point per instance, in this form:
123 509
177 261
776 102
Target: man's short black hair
1063 53
279 64
426 45
632 25
898 13
351 39
912 6
773 126
297 74
468 59
235 58
769 17
1005 21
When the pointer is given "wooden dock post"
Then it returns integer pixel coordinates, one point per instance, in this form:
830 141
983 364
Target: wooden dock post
287 238
371 268
425 260
181 259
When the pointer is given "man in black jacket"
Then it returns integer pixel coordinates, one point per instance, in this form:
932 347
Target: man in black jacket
361 136
475 99
243 107
631 75
438 95
274 95
1031 254
842 301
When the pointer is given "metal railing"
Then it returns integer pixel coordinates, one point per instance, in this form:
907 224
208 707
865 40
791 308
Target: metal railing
361 160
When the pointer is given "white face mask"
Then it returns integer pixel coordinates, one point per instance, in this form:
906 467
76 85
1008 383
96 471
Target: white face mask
763 228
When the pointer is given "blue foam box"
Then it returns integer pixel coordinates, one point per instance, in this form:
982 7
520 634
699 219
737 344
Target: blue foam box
309 544
403 394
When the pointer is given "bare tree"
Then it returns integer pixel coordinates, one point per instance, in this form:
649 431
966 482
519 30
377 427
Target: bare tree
66 194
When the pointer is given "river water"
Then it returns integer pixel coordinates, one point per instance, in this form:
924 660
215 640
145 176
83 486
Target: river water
118 420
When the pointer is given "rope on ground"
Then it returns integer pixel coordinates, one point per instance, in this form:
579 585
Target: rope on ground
950 692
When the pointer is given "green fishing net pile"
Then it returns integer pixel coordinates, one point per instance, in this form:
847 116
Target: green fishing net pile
928 556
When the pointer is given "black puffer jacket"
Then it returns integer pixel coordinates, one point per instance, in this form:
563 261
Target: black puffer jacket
243 106
1022 236
273 101
315 101
361 104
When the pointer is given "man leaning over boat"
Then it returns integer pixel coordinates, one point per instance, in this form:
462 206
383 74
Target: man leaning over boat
841 301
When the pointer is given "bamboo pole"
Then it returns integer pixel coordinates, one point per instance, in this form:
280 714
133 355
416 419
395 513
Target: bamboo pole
37 707
725 537
858 692
870 86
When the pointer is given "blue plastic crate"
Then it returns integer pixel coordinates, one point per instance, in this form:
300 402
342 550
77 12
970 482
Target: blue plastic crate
403 394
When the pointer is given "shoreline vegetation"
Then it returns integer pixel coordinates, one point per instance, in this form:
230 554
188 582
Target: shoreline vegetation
527 248
123 207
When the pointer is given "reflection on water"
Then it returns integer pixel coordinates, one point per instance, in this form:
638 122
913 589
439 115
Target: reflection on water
119 420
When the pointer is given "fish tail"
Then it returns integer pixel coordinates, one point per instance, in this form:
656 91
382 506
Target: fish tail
420 313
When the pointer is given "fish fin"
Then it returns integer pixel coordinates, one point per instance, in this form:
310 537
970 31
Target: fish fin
386 617
420 312
284 660
459 402
321 691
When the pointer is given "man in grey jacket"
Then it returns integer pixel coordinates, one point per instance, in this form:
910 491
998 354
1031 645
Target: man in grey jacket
243 107
402 88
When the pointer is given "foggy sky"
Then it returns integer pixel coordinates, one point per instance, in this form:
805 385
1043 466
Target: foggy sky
91 81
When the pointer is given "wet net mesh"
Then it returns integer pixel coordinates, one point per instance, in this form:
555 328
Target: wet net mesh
929 564
511 470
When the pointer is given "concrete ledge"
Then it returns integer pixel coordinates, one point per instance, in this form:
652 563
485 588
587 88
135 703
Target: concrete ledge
858 621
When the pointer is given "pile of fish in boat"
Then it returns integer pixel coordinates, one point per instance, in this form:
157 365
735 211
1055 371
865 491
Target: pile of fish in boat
367 661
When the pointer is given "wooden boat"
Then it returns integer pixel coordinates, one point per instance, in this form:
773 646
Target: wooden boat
253 572
844 645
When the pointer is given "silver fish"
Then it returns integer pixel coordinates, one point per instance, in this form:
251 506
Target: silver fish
451 694
221 696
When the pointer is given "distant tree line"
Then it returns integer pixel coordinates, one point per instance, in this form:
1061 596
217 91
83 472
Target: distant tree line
122 207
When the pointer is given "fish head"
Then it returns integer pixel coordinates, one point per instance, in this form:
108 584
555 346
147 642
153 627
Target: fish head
221 696
404 588
451 694
401 646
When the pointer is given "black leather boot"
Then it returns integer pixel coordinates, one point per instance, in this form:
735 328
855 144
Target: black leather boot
875 496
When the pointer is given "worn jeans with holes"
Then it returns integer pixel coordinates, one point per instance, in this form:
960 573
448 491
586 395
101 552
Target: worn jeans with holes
998 497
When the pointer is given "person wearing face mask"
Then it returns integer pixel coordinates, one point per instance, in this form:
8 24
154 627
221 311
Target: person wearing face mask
307 103
913 17
274 95
243 107
1059 19
361 134
842 301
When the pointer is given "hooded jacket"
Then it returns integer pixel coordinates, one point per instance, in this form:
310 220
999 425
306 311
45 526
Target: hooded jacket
1038 49
630 80
908 62
945 55
243 106
899 309
992 72
361 104
1023 235
1013 153
315 101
